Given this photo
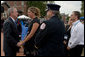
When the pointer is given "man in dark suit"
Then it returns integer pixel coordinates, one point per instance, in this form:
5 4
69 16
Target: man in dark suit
11 36
49 40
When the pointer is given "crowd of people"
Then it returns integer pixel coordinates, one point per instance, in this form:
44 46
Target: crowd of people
49 38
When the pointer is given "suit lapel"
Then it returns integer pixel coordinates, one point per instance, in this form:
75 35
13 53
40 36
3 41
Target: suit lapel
12 22
14 28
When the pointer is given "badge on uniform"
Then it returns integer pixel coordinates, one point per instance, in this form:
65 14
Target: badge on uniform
43 25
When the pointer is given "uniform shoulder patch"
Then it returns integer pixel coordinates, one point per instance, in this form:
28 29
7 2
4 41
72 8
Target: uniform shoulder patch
43 25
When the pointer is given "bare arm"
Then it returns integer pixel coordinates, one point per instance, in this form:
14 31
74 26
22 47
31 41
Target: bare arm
34 29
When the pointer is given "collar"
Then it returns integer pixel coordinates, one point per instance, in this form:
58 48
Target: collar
53 16
12 19
75 23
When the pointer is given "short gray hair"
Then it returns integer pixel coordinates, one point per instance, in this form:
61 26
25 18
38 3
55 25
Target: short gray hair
57 13
10 10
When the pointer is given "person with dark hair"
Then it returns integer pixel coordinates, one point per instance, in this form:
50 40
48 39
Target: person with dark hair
68 34
2 9
19 27
82 19
76 41
20 12
49 39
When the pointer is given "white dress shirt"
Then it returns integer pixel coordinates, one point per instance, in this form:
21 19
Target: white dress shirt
77 35
13 20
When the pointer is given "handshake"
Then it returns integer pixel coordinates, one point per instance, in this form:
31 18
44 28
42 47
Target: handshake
19 44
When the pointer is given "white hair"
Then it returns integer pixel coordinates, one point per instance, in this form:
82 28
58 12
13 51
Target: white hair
10 10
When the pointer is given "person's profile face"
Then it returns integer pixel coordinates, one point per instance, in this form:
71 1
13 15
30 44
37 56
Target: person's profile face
30 14
72 16
15 13
49 13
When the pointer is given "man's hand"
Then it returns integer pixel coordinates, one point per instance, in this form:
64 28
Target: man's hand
19 44
65 42
68 48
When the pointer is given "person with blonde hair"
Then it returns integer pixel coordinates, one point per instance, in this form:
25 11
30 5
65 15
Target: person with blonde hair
33 13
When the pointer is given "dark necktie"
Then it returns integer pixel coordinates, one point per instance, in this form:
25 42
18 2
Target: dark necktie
15 24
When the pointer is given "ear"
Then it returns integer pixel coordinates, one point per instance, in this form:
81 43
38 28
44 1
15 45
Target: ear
76 17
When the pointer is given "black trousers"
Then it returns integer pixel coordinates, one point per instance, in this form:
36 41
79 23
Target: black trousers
10 53
76 51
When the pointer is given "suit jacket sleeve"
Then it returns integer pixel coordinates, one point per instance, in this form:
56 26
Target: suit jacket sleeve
40 36
7 34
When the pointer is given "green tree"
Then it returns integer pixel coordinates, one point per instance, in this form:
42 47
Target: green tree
82 8
67 19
